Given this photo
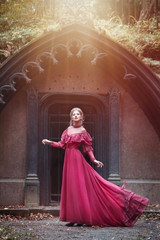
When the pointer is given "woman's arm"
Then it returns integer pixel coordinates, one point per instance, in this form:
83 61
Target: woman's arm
93 159
51 143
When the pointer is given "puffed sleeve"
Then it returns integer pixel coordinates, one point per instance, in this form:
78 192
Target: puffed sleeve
62 142
87 142
87 146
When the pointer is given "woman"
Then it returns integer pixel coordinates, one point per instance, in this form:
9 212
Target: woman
87 198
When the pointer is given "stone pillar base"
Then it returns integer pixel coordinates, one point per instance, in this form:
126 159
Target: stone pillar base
115 179
31 193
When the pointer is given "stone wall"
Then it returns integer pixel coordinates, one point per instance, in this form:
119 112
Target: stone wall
140 150
13 151
73 75
139 143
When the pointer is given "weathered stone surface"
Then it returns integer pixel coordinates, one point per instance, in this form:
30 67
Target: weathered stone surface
13 138
12 192
139 144
149 189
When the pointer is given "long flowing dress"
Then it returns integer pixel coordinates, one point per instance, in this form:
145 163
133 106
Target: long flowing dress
86 197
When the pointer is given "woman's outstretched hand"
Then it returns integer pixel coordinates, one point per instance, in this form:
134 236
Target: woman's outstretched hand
98 163
46 141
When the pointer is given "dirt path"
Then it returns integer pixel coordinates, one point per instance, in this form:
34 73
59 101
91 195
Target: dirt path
52 228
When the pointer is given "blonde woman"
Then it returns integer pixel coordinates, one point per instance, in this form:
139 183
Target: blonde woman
87 198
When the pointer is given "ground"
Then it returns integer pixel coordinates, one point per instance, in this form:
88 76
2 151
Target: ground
21 223
49 227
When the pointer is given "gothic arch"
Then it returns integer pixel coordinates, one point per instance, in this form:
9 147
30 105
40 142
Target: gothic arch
77 40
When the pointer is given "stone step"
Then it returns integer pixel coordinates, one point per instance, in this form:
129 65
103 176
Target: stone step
25 212
53 210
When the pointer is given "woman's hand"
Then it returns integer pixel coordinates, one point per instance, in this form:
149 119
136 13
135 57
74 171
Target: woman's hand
46 141
98 163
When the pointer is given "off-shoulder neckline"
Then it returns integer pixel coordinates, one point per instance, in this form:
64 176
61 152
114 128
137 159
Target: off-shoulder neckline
75 133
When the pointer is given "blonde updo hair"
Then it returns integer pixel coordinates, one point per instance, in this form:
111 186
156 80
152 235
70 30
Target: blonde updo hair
81 113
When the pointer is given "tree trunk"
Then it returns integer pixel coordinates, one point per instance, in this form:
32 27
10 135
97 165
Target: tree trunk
147 8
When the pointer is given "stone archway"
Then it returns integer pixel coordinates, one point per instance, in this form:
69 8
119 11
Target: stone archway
130 72
77 42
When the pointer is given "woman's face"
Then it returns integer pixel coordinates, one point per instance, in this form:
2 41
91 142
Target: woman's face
76 116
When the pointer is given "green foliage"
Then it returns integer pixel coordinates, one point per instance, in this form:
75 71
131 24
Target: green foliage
16 34
17 8
142 41
22 21
142 38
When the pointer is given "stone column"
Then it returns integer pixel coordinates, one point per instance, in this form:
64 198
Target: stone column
114 109
32 181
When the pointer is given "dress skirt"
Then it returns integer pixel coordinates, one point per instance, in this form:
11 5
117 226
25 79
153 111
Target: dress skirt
86 197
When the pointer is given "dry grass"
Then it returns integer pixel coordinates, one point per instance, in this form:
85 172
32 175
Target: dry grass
142 39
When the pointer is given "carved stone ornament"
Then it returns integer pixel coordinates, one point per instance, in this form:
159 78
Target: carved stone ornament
128 76
73 47
114 95
32 94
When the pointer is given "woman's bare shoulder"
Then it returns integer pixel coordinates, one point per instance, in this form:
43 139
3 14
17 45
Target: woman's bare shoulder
84 130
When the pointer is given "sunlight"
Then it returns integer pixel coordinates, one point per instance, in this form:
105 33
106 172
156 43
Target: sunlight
77 3
70 11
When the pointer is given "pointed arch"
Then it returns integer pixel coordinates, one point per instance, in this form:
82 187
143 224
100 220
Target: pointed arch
81 41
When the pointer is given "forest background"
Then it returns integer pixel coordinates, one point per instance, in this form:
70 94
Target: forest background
135 24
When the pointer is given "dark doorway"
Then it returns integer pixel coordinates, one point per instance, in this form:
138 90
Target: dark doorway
57 116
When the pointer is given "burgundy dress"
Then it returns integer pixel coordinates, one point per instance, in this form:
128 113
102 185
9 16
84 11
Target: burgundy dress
87 198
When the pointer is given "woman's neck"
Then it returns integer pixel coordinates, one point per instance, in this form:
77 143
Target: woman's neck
77 124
